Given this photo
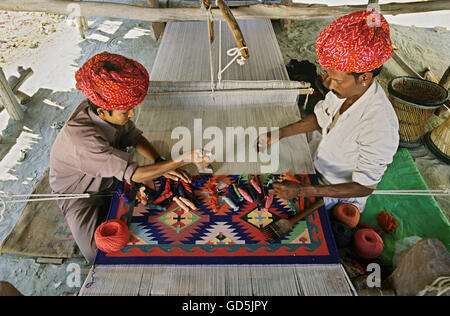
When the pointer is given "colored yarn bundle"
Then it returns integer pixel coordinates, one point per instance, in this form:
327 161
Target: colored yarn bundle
111 236
387 222
367 243
347 213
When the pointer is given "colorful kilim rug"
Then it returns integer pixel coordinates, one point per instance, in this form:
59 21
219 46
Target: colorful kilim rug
215 233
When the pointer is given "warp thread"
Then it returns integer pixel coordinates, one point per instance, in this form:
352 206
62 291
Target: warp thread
111 236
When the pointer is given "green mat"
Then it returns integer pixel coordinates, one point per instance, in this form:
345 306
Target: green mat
416 215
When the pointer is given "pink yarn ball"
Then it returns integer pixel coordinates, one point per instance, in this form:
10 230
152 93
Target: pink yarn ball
367 243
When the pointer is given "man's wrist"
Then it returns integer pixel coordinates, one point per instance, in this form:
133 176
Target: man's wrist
309 190
281 133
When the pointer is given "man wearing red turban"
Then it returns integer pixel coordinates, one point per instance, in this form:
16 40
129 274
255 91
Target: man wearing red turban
89 154
359 128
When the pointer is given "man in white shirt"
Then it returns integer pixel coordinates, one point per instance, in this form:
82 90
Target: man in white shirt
358 124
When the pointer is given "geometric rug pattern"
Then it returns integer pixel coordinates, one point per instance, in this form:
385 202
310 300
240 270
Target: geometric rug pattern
215 233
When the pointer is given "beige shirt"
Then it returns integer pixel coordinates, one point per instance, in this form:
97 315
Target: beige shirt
362 142
88 155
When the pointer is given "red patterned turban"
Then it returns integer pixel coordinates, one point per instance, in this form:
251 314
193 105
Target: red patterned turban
113 82
357 42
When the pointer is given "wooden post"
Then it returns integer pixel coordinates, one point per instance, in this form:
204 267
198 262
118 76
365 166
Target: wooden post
15 83
8 99
82 24
286 24
156 27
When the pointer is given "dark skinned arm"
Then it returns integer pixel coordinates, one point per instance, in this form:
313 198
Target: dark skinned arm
307 124
288 190
154 171
169 169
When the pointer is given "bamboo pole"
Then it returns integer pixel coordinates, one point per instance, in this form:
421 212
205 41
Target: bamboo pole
405 66
8 99
273 11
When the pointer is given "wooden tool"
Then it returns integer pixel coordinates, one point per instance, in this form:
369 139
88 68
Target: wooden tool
234 27
282 227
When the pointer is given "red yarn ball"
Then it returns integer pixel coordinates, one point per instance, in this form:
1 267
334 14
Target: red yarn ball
111 236
367 243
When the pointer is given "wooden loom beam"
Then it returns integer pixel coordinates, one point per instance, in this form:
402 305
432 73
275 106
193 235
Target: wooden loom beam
8 99
273 11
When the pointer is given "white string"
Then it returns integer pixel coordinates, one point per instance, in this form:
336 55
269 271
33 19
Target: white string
413 192
441 285
306 101
237 53
42 197
220 50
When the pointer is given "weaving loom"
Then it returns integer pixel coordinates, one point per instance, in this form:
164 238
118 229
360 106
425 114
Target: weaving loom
257 94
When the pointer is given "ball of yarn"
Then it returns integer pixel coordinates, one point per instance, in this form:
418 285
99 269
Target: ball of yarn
111 236
342 234
347 213
368 244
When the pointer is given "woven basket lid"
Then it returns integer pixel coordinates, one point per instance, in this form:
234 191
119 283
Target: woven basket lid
438 141
417 92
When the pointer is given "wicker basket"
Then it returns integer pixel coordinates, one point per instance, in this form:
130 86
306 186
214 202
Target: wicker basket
414 101
438 141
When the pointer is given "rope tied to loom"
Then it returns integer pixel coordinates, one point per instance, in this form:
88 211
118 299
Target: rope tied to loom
237 53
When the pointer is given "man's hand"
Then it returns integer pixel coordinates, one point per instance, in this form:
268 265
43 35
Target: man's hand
178 174
288 190
265 140
201 159
198 157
